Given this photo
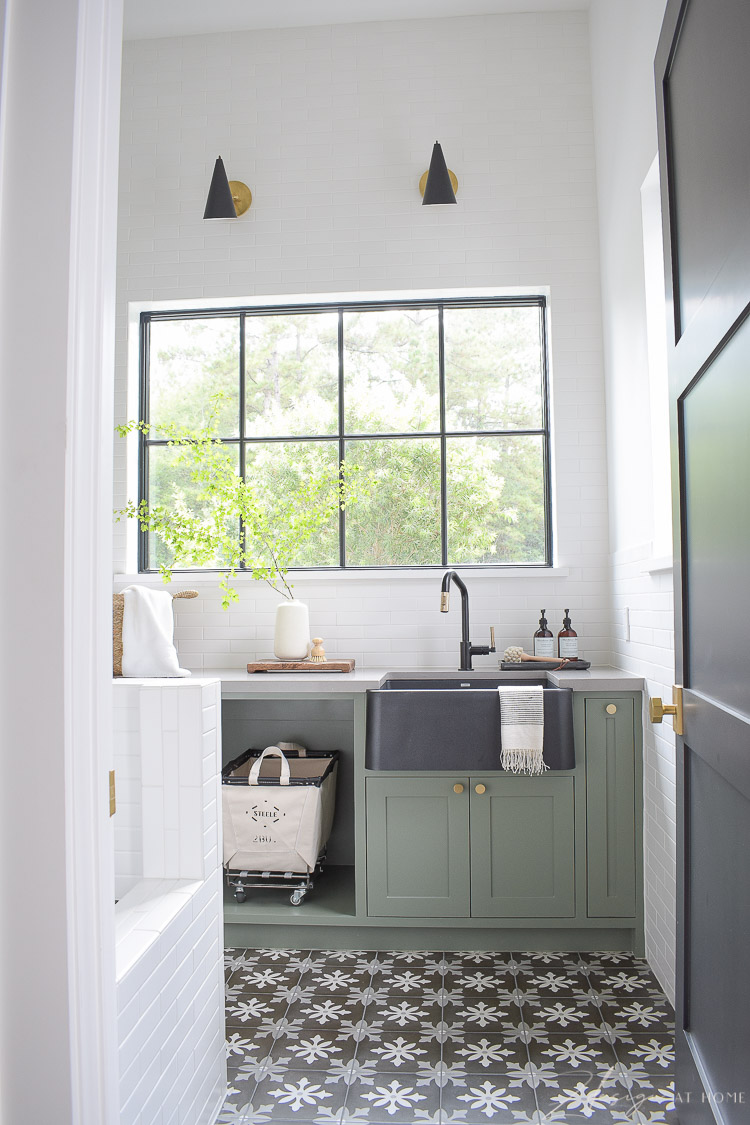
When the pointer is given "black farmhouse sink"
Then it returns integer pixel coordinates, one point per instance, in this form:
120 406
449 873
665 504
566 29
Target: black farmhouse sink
466 682
453 723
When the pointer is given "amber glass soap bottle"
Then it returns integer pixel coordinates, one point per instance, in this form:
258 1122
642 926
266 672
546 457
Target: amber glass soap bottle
544 641
567 640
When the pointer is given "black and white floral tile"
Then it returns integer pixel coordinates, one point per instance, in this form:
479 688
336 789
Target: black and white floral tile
352 1036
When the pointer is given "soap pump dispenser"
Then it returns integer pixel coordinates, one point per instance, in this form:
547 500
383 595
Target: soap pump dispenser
544 641
567 640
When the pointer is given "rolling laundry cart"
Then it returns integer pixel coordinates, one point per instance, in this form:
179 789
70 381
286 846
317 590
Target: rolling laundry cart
278 807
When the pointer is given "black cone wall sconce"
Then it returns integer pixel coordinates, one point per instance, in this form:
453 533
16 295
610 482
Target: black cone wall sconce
227 199
439 184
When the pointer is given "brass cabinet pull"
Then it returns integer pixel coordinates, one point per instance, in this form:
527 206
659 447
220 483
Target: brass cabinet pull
458 787
611 709
480 789
657 710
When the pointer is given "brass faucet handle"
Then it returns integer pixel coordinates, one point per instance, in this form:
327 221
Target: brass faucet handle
492 638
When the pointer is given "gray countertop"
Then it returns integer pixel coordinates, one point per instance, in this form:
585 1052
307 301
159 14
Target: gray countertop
235 682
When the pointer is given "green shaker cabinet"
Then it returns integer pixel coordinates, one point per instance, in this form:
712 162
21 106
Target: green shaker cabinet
500 847
506 861
611 806
523 848
417 847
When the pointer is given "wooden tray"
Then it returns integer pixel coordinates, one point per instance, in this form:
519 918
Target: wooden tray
301 666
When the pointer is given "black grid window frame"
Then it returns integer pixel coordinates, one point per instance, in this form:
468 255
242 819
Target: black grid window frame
242 313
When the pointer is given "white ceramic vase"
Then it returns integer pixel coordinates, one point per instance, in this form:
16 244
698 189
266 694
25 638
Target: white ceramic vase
291 639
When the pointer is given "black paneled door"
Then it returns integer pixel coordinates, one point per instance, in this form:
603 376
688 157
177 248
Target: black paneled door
703 95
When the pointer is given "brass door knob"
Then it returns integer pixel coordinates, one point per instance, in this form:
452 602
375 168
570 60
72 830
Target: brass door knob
480 789
611 709
458 787
657 710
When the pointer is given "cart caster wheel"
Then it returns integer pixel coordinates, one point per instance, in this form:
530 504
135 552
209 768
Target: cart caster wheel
240 896
296 898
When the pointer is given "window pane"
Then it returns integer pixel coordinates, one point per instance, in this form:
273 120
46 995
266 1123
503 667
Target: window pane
391 371
398 522
493 369
190 361
291 374
495 488
171 486
294 481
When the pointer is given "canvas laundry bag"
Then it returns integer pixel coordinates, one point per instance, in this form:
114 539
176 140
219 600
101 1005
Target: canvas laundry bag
277 819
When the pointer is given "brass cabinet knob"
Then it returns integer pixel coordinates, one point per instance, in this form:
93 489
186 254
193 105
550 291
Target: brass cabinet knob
458 787
611 709
480 789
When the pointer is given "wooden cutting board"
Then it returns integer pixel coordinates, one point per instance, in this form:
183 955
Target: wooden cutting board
301 666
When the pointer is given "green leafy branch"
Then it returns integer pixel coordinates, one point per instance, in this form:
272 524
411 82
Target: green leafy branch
234 524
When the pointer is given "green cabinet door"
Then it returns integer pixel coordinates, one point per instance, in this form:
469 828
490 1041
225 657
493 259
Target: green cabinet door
523 847
417 847
610 806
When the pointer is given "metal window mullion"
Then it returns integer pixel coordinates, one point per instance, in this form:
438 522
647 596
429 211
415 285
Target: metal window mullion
547 464
242 406
528 301
342 440
426 434
443 442
144 562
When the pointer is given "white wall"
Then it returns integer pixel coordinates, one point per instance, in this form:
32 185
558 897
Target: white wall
331 127
623 44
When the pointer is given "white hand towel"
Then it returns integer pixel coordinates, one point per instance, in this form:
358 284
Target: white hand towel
148 634
522 729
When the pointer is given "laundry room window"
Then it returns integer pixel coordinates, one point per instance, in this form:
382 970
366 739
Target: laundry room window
440 406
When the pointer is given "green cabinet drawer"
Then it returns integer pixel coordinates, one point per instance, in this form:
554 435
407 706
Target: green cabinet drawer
417 847
610 806
523 848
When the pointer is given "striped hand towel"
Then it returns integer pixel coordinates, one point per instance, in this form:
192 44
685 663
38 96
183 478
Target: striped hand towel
522 729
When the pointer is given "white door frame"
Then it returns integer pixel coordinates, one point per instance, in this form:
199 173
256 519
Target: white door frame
88 563
59 139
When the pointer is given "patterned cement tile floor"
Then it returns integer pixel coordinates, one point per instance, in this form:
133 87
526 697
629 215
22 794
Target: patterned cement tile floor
354 1036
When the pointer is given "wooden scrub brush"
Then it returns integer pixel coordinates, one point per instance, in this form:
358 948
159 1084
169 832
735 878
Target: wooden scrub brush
516 655
318 653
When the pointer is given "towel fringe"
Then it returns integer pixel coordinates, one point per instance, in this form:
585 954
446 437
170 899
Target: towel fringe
522 761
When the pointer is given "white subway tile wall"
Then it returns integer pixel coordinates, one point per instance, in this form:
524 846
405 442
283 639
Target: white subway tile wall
394 623
170 1004
127 765
169 920
331 127
647 599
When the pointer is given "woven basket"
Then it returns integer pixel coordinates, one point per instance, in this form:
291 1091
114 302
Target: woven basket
118 606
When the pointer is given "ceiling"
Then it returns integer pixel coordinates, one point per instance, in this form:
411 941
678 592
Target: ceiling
154 19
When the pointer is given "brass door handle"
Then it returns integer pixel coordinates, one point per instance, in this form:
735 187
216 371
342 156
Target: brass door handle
657 710
611 709
480 789
458 787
